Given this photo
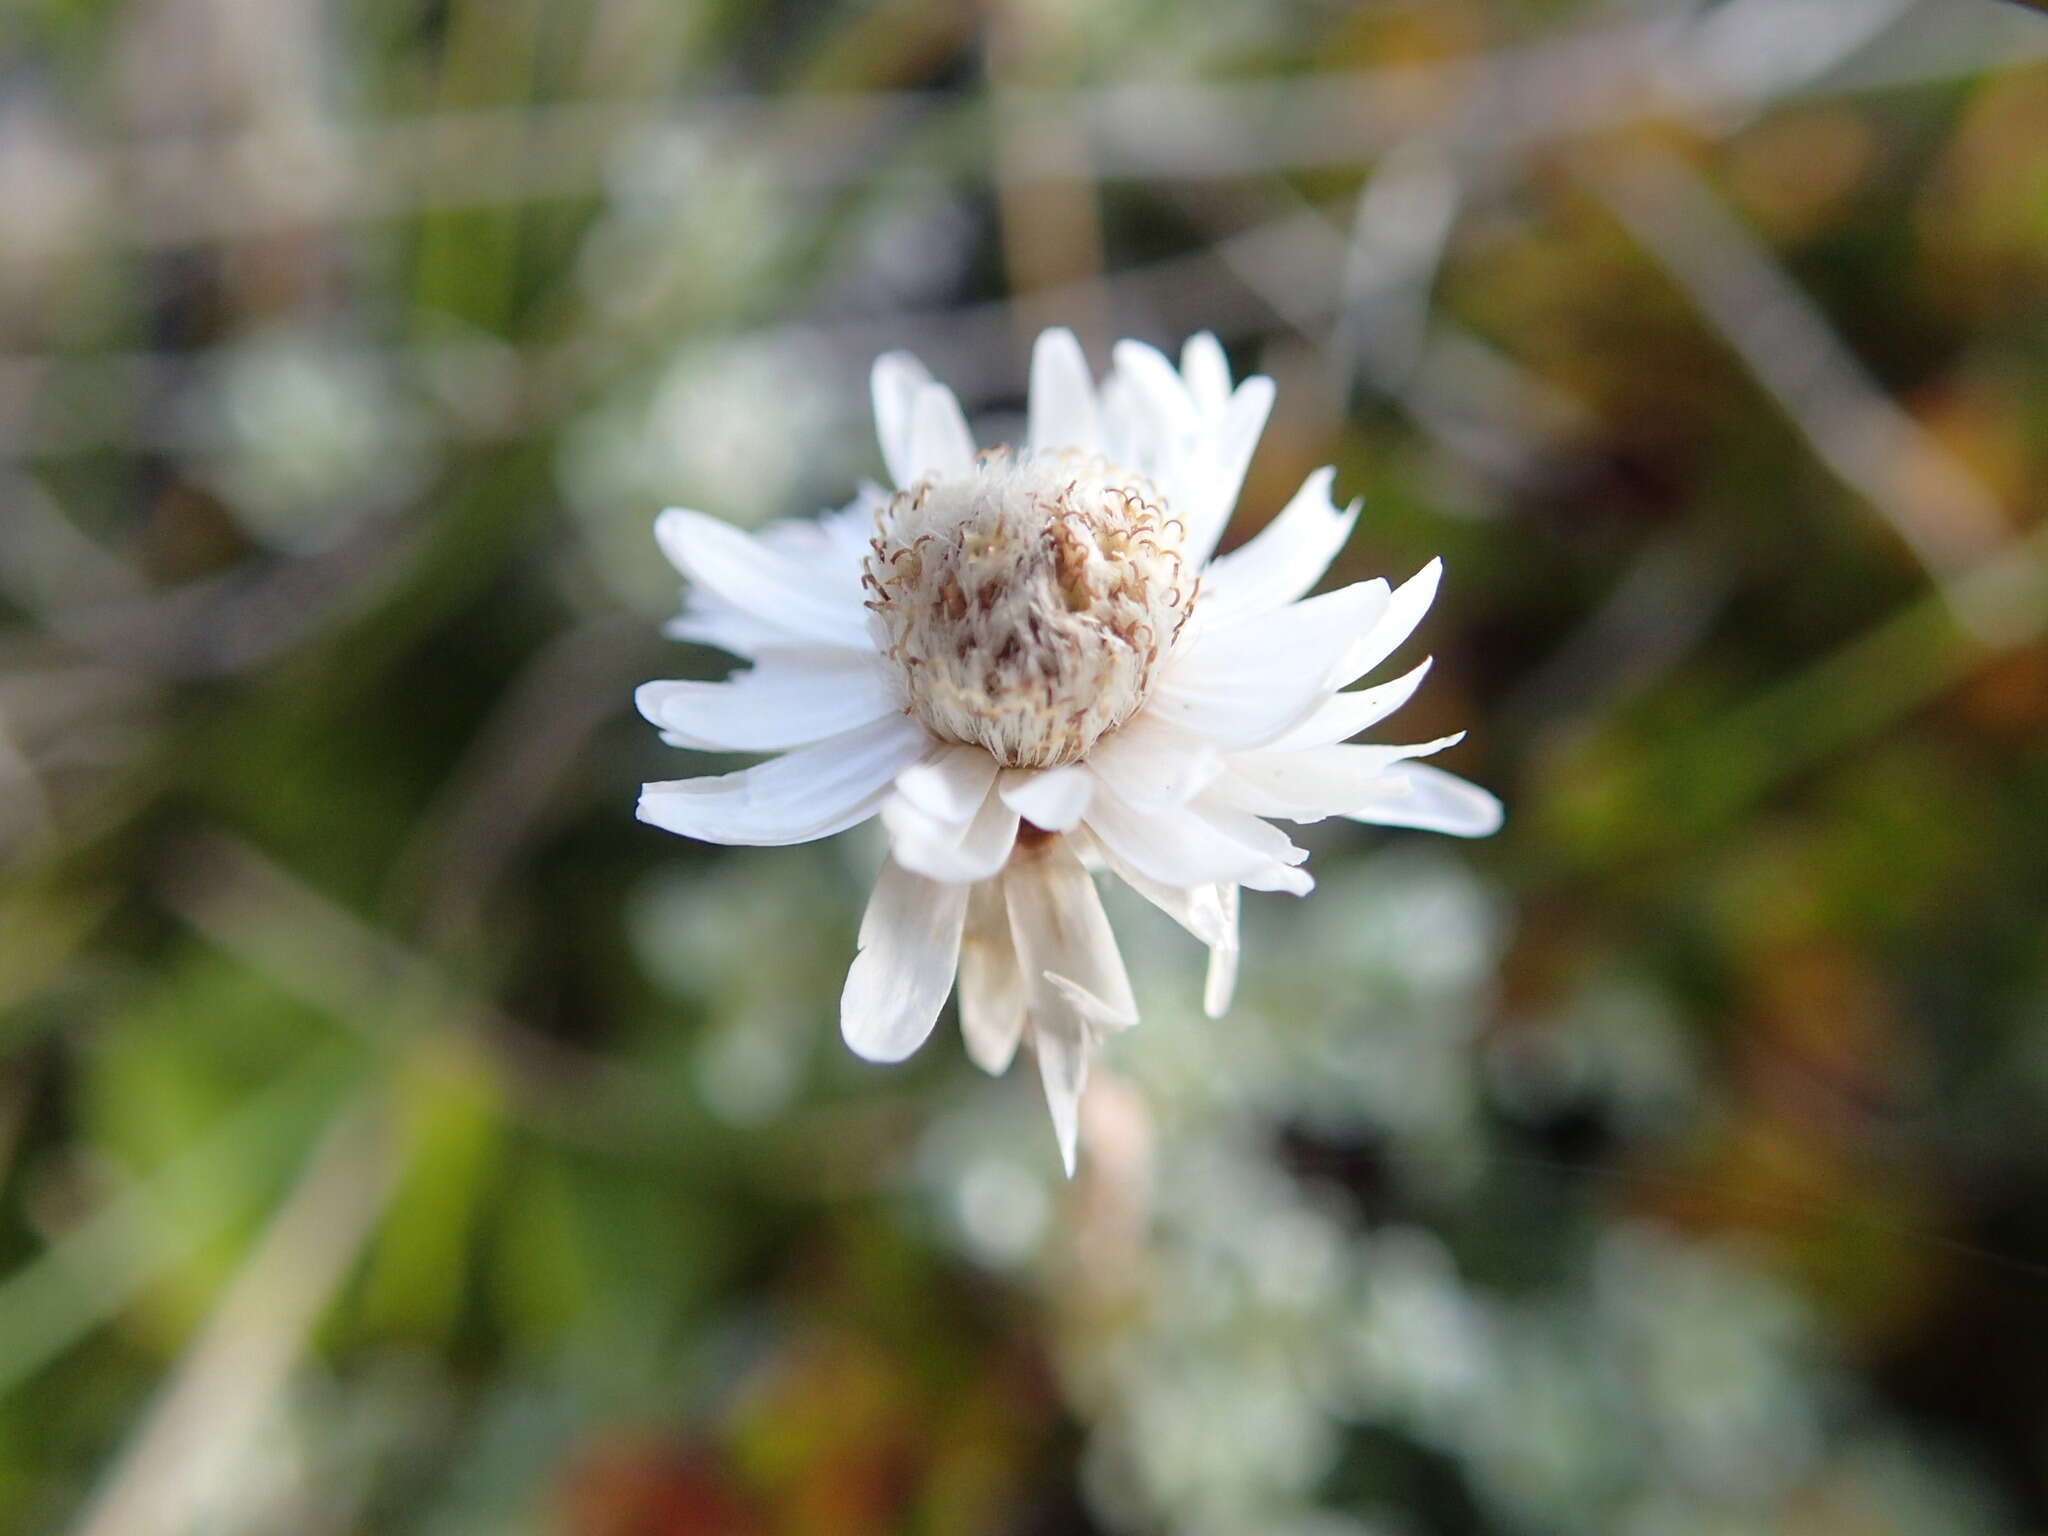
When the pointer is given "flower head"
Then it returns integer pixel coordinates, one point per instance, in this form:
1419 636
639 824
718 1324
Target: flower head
1028 663
1028 605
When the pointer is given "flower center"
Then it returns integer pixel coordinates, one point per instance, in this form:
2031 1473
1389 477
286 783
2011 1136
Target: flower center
1029 604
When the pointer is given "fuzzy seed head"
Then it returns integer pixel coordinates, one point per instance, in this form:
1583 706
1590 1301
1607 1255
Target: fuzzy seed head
1029 604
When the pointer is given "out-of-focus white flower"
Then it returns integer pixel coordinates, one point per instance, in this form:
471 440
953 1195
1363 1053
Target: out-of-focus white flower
1028 664
305 436
715 424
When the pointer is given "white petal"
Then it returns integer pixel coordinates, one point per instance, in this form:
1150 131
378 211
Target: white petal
787 699
1087 850
1063 1044
956 852
985 848
1151 763
940 444
1434 801
1101 1015
1265 840
1198 908
1129 435
847 532
825 551
1073 976
1221 981
1245 683
1180 847
1232 444
895 381
1206 371
1057 920
1405 609
1052 798
1219 985
991 985
1285 559
1318 782
1344 715
831 546
762 581
909 947
1151 425
806 794
710 620
1062 405
1281 877
1157 390
951 784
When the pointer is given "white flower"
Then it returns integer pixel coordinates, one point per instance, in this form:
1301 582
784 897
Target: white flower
1026 662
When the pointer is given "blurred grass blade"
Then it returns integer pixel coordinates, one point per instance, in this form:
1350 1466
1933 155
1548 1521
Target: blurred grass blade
91 1273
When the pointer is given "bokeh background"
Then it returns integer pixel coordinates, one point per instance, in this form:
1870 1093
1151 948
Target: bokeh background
396 1137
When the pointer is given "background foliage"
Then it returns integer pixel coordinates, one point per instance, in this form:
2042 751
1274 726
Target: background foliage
394 1136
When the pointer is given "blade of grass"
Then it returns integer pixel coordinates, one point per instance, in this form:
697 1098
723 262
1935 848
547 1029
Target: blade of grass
87 1276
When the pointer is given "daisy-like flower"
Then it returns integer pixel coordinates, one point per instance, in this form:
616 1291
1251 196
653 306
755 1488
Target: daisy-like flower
1027 662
